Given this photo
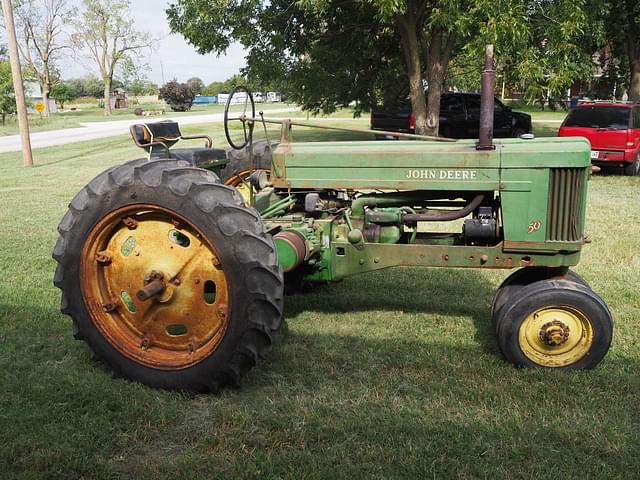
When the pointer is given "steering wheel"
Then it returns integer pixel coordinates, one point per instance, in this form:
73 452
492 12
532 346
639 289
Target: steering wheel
247 124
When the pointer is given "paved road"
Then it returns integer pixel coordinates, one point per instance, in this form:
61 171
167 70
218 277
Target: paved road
94 130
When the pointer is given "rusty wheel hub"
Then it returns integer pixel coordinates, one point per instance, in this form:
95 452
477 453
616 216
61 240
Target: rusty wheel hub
554 333
154 286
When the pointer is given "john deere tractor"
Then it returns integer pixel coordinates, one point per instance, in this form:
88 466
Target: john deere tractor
173 266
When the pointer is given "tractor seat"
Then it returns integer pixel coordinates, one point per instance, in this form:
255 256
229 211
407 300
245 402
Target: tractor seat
157 139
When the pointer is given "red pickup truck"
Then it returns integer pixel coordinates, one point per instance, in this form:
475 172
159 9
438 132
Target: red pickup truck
613 128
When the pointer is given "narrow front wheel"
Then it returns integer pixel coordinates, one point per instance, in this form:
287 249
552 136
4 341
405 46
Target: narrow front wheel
555 324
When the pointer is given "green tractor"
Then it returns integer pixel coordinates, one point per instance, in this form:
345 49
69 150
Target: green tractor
173 267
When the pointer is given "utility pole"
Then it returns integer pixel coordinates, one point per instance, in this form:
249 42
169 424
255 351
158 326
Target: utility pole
18 87
162 72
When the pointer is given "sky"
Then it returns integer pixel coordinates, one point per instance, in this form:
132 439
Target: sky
173 54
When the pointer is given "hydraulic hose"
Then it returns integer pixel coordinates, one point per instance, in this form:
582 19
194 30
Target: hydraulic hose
444 215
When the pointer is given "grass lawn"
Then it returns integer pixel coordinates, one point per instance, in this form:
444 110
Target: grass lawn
393 374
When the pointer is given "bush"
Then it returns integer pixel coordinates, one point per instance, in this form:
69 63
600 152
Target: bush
179 96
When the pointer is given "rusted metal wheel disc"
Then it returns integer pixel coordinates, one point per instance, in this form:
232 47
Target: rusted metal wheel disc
154 287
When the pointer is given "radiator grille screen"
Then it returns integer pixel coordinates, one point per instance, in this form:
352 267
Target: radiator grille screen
565 199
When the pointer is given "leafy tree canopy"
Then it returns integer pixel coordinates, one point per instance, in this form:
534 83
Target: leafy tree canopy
621 22
179 96
64 92
7 97
329 53
196 84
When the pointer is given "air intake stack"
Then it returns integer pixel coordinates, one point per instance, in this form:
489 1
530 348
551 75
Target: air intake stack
487 86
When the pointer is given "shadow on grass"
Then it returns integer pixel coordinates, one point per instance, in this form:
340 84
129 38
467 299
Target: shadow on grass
326 404
444 292
80 155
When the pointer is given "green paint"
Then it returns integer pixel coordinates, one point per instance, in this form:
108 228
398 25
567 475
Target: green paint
128 302
128 246
538 187
287 255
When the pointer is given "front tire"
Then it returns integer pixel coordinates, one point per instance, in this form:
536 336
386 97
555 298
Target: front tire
555 324
512 285
221 292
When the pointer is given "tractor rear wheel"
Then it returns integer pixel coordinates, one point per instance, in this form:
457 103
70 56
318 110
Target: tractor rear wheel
236 172
525 276
168 277
555 324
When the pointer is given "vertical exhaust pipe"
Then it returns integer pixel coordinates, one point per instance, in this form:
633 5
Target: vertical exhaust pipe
487 86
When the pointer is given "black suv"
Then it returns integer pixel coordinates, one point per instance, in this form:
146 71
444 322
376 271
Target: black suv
459 118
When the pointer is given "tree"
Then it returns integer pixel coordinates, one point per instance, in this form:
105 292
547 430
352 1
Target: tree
179 96
89 86
385 38
622 26
431 29
331 52
196 85
141 87
311 67
542 47
64 92
39 24
7 96
105 30
214 88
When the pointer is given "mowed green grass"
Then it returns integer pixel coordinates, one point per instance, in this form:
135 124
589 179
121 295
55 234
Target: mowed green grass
393 374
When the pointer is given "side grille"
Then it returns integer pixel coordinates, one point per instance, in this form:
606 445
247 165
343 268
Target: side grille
565 200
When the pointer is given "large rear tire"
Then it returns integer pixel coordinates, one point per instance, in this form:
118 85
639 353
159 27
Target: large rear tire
168 277
236 173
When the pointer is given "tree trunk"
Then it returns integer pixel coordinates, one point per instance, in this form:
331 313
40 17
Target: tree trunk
439 52
107 97
45 99
634 86
435 78
633 51
407 27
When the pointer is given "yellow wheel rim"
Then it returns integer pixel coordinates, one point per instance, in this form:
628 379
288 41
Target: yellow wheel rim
555 336
241 183
185 318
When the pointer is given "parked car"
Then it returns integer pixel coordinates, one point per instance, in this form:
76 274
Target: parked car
612 128
459 118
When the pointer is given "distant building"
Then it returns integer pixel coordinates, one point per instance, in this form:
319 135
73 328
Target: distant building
119 98
33 93
238 97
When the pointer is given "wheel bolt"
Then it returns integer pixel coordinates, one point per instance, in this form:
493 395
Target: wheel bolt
130 223
110 307
103 257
